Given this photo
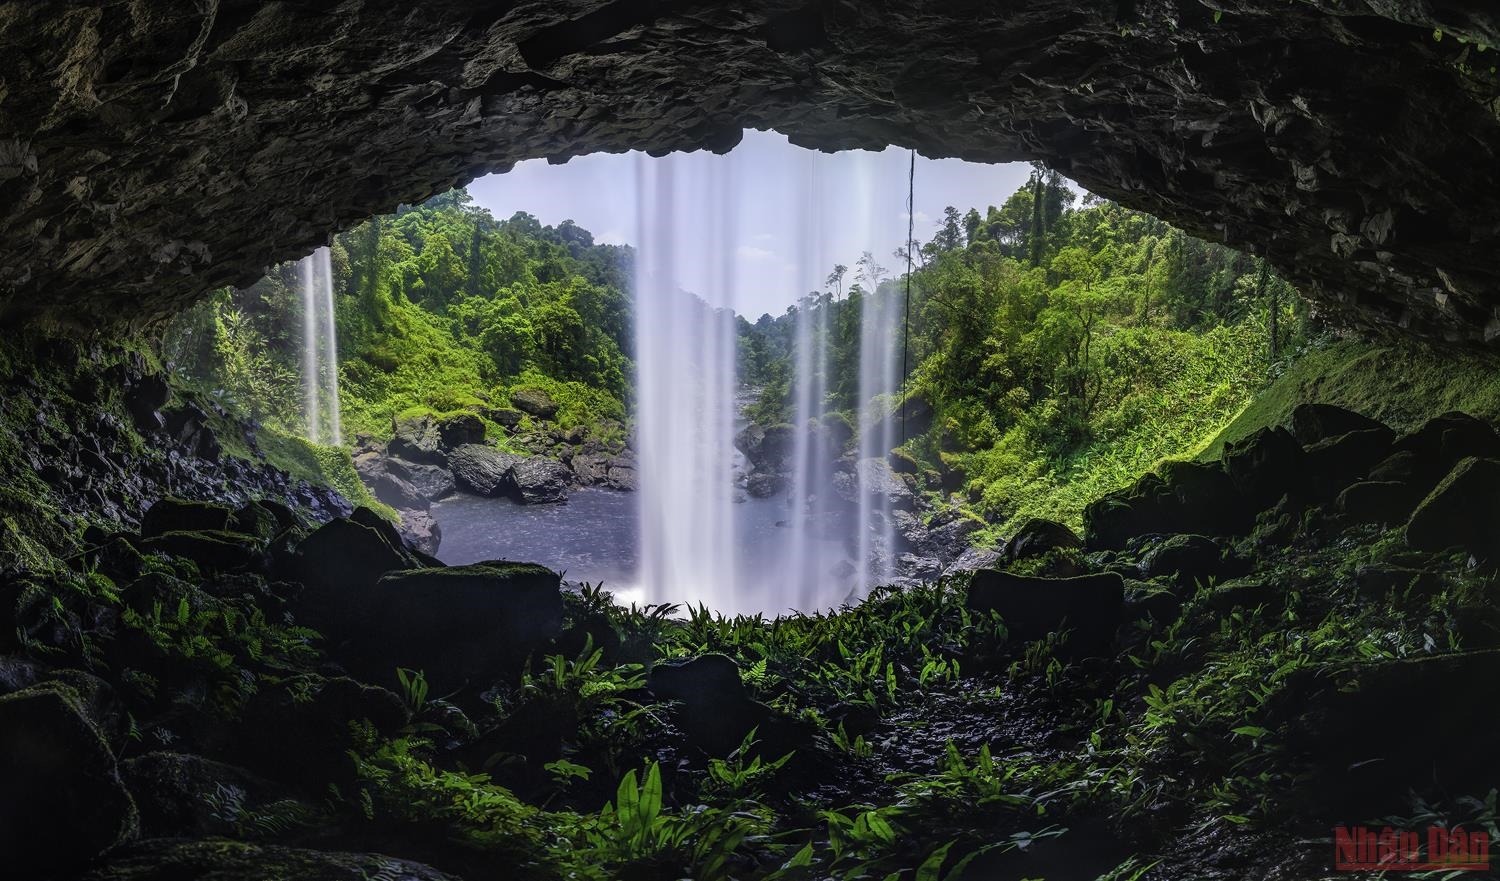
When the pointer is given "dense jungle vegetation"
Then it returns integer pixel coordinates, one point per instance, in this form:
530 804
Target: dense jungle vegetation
1064 348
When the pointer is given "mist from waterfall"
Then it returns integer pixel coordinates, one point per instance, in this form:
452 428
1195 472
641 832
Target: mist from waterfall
320 364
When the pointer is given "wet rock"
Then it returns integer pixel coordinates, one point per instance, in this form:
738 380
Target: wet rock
459 429
1370 731
919 568
181 515
1311 423
61 799
1335 463
307 736
1462 511
397 492
534 402
17 673
1379 501
342 560
623 475
460 624
184 795
539 481
188 425
212 551
973 559
431 482
482 470
145 395
226 860
1189 559
1092 606
1266 466
763 485
1445 440
874 480
505 417
262 519
591 469
715 711
1039 536
420 530
416 438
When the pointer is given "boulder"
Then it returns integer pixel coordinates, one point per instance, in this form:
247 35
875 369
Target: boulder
294 738
459 429
62 802
420 530
1379 501
1446 439
220 551
1039 536
262 519
972 559
1311 423
179 515
1091 606
539 480
482 470
460 624
416 437
714 711
213 859
145 394
1370 731
872 479
1462 511
431 482
901 462
505 417
590 469
342 560
184 795
1266 466
1336 462
1189 559
1201 497
622 475
763 485
397 492
534 402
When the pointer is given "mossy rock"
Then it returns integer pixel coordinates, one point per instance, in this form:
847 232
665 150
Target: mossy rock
217 859
534 402
182 515
1462 511
212 551
62 803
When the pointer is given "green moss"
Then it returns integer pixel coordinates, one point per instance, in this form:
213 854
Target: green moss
1400 384
324 466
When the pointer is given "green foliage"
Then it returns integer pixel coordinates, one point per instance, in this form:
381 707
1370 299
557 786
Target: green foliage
438 306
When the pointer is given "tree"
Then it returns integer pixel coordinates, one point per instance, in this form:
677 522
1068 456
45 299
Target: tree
836 279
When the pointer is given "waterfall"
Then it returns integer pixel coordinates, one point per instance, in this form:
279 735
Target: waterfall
320 364
879 376
685 362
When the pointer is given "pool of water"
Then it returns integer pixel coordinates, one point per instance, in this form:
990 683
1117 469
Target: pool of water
595 537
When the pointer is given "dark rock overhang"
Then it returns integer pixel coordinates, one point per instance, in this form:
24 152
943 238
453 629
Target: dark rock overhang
154 149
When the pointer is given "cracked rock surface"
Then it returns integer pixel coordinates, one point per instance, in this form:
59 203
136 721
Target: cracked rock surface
152 150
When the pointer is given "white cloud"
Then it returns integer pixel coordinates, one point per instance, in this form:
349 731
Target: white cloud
751 252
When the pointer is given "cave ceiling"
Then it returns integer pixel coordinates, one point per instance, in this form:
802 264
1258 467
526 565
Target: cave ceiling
152 150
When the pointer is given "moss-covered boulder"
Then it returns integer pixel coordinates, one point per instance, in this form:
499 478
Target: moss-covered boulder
459 624
62 803
1314 422
342 560
1463 511
1091 606
1039 536
1266 466
212 551
1334 463
415 436
179 515
1190 559
214 859
533 402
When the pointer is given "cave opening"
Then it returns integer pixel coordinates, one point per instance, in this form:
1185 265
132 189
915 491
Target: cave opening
1192 489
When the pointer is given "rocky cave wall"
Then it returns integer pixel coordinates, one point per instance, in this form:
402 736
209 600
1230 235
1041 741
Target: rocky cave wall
154 149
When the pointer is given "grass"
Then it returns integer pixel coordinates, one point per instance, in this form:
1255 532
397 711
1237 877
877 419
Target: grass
1401 384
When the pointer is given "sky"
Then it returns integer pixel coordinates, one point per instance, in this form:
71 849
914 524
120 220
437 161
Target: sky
758 227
